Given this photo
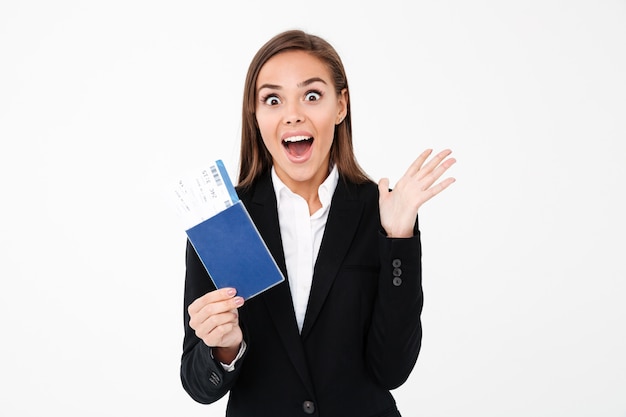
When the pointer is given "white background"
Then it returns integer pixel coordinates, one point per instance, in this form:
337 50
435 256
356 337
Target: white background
103 103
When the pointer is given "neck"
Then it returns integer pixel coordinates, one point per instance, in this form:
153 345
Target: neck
308 190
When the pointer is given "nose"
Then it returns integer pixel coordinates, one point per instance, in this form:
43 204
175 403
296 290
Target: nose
293 121
293 114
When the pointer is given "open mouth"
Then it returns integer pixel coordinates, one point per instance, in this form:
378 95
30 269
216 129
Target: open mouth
298 146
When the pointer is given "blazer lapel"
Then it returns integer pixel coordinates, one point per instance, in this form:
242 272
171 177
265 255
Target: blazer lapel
278 299
344 217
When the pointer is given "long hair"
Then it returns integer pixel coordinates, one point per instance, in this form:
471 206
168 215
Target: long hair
255 159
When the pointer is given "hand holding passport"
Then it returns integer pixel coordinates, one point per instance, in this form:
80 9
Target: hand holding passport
221 231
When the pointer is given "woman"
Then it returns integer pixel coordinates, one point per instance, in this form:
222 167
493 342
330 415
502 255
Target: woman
344 328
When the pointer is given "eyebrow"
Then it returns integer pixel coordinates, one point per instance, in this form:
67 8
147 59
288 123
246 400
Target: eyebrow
300 85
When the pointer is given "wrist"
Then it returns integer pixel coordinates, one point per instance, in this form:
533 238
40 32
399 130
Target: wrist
226 354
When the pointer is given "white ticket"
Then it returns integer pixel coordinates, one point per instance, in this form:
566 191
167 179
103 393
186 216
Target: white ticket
202 193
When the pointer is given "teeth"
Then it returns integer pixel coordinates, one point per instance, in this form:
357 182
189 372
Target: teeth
296 138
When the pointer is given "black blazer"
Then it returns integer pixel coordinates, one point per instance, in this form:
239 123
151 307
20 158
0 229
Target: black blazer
361 334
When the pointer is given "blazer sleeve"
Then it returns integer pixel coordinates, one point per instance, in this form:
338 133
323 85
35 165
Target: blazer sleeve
202 377
395 335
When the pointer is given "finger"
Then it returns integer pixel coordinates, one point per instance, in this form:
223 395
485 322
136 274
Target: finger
198 318
211 297
427 182
436 189
217 320
439 171
433 163
219 307
417 164
383 187
215 331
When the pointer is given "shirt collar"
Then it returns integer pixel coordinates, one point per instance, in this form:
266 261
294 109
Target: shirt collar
325 190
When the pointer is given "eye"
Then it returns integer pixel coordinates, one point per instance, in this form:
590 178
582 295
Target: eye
312 96
271 100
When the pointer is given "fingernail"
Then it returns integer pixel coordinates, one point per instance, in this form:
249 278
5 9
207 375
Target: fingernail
231 291
238 301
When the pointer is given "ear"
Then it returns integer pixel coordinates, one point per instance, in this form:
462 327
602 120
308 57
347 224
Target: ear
342 102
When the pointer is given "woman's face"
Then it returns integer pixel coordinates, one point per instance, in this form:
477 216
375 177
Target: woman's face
296 111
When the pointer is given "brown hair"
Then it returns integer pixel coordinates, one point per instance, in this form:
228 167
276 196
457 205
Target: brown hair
254 157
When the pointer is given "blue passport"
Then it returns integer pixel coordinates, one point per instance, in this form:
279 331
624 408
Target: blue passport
234 253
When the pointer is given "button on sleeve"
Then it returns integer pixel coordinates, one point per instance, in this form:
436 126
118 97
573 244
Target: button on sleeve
308 407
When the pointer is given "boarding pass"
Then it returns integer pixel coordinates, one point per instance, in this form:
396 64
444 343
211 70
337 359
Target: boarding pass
200 194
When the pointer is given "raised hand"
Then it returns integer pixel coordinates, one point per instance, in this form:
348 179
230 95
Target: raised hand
398 208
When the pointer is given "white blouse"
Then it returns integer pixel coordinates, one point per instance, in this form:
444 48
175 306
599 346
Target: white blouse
302 236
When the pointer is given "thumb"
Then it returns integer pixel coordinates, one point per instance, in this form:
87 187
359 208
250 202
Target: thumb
383 187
